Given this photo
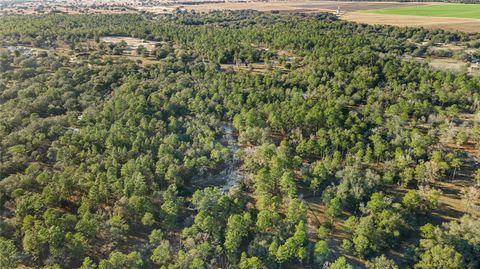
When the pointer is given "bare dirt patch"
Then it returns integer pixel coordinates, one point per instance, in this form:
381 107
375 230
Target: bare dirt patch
450 24
132 42
448 64
254 68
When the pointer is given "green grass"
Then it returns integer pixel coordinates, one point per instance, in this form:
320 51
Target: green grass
471 11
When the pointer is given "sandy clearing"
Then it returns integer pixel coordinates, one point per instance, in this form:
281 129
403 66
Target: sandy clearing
132 42
451 24
448 64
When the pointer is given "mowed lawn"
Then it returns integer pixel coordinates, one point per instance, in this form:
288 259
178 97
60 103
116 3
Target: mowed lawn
471 11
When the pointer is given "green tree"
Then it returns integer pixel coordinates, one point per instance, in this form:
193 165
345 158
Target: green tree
88 264
455 163
340 263
440 257
321 252
381 262
161 255
250 262
287 183
412 201
237 228
170 206
9 255
118 260
294 246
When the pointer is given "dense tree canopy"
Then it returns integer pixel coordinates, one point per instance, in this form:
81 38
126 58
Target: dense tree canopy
109 162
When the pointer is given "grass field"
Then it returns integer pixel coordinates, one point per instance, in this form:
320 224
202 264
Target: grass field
471 11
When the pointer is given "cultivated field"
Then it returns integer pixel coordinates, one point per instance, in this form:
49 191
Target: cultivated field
453 17
300 6
445 23
447 10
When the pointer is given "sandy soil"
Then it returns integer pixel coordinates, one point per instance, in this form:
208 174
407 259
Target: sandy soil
448 64
157 9
132 42
451 24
